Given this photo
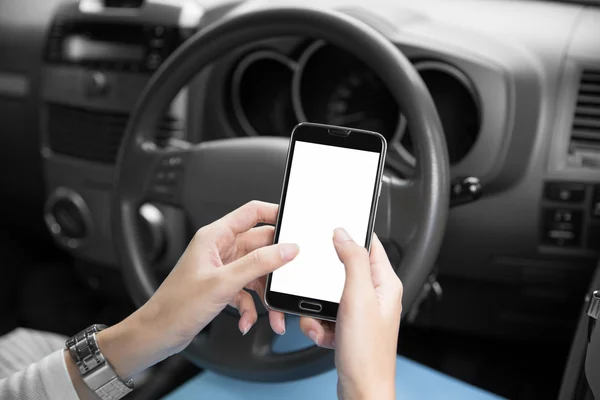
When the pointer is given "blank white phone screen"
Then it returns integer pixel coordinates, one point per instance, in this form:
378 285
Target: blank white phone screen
328 187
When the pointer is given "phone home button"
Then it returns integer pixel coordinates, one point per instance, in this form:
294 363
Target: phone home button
310 306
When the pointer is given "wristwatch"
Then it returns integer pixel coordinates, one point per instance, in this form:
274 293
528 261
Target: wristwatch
95 369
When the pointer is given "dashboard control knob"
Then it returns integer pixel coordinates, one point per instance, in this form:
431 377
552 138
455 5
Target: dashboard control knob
152 230
68 217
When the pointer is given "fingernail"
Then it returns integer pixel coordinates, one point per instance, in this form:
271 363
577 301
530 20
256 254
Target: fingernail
340 235
288 251
282 327
246 329
313 336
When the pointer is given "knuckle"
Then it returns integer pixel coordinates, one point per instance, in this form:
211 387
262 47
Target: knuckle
399 287
251 209
201 233
253 314
252 206
237 301
256 258
254 203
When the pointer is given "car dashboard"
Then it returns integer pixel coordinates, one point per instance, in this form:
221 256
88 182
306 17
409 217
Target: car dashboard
516 85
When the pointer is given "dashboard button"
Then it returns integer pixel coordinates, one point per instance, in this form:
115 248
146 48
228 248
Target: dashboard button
562 227
159 31
157 43
171 176
171 161
153 61
565 192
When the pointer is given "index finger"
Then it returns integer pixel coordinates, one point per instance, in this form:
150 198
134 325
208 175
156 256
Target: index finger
381 268
249 215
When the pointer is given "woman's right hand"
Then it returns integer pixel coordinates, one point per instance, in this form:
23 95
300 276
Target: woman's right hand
365 336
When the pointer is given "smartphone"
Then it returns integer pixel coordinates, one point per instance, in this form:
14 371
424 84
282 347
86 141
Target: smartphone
332 179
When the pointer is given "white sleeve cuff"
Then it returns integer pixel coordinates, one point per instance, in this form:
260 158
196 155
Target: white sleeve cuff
55 377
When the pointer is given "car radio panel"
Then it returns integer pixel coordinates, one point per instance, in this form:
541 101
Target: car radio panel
131 46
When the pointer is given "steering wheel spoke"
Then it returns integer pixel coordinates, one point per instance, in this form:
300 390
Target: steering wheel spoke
398 216
400 210
222 175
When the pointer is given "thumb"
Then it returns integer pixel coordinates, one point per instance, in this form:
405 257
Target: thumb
355 259
260 262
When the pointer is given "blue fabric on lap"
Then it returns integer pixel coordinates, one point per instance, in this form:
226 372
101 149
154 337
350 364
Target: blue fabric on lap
413 381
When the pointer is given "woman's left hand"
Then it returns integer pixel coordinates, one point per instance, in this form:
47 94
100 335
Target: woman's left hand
222 259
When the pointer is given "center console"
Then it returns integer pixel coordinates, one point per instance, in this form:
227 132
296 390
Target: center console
570 220
98 57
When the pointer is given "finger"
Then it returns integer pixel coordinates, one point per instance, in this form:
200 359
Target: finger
276 318
254 238
381 269
385 280
320 332
244 303
355 259
259 263
248 216
277 321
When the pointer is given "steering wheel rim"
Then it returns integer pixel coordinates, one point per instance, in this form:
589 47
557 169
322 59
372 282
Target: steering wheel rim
427 193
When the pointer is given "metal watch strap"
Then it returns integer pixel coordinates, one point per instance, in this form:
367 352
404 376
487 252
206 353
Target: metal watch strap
95 369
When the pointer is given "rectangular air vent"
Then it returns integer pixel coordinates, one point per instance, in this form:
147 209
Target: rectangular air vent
96 135
584 148
91 135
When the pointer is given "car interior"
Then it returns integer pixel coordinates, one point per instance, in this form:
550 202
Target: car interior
126 125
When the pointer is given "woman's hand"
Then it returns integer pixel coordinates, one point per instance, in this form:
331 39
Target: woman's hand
222 259
366 333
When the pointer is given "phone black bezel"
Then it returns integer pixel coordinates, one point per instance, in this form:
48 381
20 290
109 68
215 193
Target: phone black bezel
333 136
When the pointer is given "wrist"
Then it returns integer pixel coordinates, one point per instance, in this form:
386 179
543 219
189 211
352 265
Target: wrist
83 391
374 390
130 347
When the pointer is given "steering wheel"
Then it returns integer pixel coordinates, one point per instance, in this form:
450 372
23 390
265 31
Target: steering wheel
209 179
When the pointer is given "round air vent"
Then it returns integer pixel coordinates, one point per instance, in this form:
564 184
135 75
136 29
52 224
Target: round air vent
68 217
